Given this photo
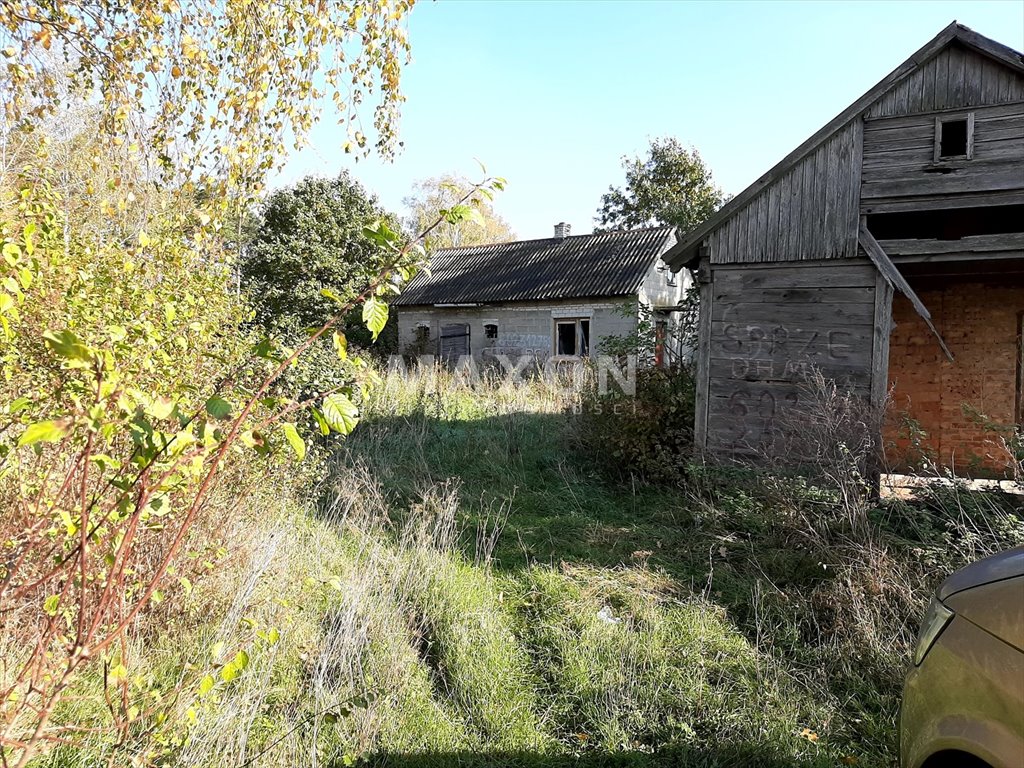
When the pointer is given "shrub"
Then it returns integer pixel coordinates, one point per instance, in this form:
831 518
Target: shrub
649 433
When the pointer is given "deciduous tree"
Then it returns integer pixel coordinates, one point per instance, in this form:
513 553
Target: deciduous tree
308 238
440 193
670 185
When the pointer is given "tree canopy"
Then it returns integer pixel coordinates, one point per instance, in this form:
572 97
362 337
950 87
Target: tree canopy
670 185
441 193
214 92
309 239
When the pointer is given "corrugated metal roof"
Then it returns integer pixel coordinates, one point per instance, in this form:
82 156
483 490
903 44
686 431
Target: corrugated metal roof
579 266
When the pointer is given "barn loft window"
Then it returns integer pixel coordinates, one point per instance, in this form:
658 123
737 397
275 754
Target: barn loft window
422 333
572 337
490 330
954 137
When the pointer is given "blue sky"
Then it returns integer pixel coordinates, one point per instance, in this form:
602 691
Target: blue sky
550 95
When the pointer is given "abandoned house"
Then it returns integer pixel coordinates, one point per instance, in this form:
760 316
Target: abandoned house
552 298
886 252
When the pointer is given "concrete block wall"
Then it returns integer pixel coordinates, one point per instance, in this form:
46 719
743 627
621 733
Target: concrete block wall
524 328
662 288
980 323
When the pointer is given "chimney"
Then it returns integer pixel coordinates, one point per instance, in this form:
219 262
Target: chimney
562 230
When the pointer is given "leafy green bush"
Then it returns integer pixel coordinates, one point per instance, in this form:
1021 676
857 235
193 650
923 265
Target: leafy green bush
649 433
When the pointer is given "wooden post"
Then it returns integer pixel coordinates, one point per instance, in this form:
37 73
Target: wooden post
700 419
880 371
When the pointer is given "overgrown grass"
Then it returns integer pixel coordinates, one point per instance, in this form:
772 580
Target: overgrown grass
467 590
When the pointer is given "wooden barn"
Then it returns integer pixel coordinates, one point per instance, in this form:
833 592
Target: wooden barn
886 252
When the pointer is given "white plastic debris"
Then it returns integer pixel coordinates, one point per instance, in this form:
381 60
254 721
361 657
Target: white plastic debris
605 615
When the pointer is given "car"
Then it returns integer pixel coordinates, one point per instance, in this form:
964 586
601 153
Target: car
963 699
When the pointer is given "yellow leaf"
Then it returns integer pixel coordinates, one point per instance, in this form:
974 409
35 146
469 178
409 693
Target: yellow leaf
143 238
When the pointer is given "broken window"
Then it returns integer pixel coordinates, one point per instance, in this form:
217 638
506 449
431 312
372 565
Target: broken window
954 137
490 331
572 337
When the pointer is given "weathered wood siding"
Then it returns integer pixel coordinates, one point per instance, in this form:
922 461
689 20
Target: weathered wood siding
810 213
769 327
955 77
899 156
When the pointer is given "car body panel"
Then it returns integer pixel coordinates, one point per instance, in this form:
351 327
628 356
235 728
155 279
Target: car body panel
967 695
1005 565
998 608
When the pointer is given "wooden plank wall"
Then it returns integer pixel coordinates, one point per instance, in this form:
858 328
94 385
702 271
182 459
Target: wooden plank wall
771 326
809 213
899 156
955 77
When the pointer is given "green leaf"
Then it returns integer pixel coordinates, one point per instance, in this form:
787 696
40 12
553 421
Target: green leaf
375 315
51 604
44 432
340 413
476 216
160 408
321 422
241 660
382 235
294 440
229 672
218 408
329 294
29 230
341 345
67 345
206 685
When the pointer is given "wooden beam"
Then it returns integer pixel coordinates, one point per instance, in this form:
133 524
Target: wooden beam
940 202
966 246
893 276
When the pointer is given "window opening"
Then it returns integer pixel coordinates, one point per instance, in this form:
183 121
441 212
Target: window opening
572 337
422 333
954 137
660 334
565 337
490 331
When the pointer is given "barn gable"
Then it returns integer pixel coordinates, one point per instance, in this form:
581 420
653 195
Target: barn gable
796 211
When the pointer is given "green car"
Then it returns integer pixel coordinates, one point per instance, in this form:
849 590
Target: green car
963 700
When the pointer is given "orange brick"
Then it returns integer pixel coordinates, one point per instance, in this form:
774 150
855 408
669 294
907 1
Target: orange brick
980 324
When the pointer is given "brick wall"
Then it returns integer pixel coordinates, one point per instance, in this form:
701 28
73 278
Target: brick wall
979 322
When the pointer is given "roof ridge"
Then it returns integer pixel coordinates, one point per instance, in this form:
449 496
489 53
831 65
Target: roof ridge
637 230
